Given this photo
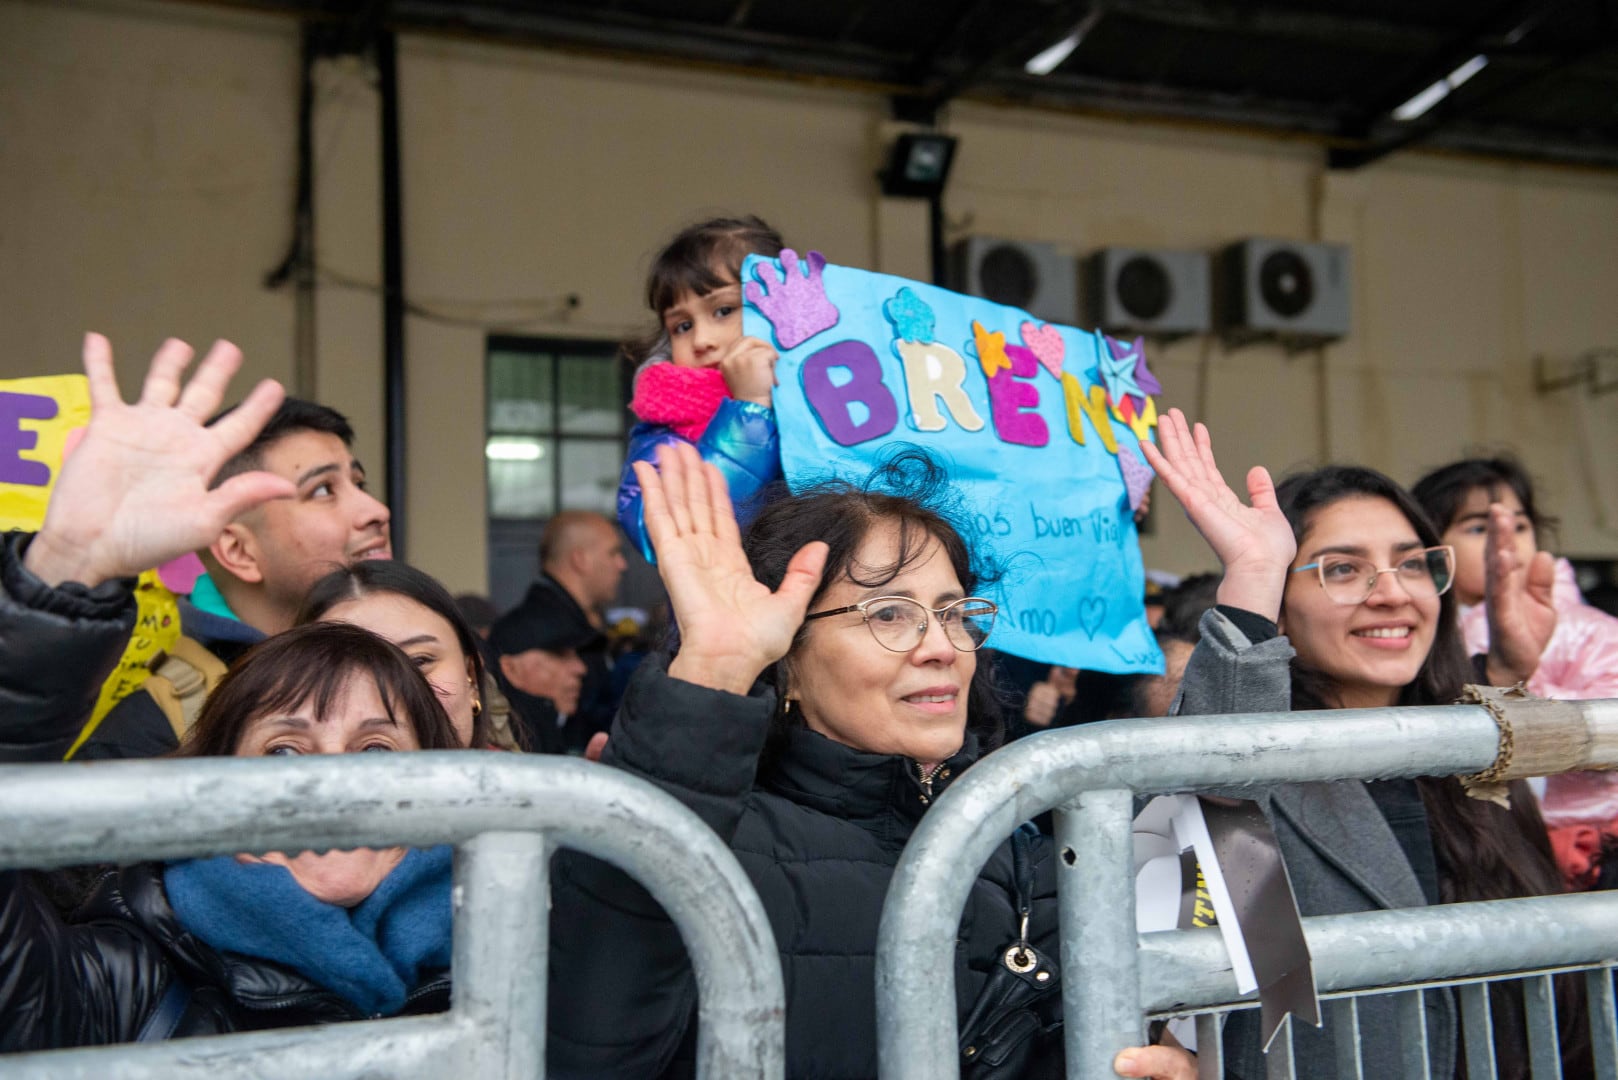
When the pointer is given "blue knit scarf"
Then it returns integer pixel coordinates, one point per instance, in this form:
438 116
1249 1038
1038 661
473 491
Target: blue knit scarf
373 954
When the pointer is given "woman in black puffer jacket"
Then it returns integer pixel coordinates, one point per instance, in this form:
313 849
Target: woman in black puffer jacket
234 943
826 691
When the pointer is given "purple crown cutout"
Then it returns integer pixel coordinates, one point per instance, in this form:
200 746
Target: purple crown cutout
795 303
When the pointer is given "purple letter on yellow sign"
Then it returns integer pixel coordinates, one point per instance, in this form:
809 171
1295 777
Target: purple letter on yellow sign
15 408
835 402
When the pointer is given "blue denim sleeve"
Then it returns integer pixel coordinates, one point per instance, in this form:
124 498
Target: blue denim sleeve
741 441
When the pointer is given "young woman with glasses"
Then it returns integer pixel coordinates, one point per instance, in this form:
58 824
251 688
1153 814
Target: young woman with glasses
1363 593
825 693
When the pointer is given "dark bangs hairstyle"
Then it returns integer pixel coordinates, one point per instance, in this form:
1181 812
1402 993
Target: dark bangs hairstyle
910 490
1442 491
701 258
371 576
1446 668
314 664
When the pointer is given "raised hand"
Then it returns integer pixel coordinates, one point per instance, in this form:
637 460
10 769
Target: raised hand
1517 598
134 493
731 625
1254 543
748 365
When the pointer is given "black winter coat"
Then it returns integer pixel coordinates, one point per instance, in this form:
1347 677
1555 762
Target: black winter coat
101 978
818 830
57 646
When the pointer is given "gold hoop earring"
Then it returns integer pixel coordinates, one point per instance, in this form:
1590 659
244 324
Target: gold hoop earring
477 708
786 706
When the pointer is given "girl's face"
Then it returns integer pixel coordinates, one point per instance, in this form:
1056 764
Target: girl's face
1373 649
428 639
853 690
357 723
700 328
1469 534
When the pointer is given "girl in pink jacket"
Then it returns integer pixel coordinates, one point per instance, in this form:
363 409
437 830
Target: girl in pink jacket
1581 660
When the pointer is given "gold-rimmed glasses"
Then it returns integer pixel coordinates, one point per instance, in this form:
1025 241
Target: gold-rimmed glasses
899 623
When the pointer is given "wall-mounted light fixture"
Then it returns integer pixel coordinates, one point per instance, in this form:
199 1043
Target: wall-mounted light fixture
918 165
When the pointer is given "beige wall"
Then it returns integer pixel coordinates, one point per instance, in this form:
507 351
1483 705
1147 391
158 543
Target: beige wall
146 185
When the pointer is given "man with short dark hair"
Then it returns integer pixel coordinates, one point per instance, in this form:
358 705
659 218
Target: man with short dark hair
258 569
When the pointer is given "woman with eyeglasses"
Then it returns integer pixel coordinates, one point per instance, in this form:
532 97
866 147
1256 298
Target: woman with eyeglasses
826 691
1363 594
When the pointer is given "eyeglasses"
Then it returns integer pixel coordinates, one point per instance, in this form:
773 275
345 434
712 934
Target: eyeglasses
899 623
1349 579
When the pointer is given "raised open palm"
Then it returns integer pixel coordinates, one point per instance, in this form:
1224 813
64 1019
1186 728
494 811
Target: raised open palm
1517 593
1253 541
134 493
731 625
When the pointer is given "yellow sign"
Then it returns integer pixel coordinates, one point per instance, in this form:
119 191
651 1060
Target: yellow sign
36 416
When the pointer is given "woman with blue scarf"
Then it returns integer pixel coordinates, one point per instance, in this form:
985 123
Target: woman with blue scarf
238 942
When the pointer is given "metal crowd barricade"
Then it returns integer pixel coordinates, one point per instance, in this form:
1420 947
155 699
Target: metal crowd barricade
505 812
1114 979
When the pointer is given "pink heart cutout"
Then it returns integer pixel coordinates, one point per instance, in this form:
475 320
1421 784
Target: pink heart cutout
1046 343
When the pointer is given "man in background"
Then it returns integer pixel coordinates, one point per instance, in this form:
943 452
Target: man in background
581 561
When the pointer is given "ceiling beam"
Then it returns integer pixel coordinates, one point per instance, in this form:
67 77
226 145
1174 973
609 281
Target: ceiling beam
620 32
1459 106
1351 31
1014 46
1501 22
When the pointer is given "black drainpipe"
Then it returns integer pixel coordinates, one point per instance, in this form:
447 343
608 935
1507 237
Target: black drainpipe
393 294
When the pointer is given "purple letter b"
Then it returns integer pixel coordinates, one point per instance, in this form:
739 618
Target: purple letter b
832 403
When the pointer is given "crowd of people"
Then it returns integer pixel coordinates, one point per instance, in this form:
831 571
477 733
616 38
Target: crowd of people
831 676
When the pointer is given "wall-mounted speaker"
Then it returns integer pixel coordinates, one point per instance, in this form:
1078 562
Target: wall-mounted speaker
1148 291
1034 277
1287 289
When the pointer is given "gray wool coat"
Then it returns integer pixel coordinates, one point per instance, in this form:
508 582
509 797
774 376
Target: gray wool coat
1340 855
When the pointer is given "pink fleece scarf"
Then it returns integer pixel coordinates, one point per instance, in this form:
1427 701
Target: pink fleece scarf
683 398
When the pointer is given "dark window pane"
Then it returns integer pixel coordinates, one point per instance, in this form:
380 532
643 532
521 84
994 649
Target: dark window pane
590 469
520 398
591 399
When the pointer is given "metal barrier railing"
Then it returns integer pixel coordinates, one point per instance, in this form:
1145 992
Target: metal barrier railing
1113 979
505 812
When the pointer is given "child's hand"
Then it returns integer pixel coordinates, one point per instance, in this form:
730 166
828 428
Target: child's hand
748 365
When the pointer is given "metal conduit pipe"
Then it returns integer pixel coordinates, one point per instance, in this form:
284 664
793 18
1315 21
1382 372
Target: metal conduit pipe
916 1019
1185 970
507 811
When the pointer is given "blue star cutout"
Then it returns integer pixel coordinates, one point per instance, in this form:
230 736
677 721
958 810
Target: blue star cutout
1118 366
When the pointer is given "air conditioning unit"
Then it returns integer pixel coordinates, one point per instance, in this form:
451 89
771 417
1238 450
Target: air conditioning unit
1148 291
1031 276
1287 289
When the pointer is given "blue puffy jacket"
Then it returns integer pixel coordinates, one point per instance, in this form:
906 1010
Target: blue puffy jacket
741 440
